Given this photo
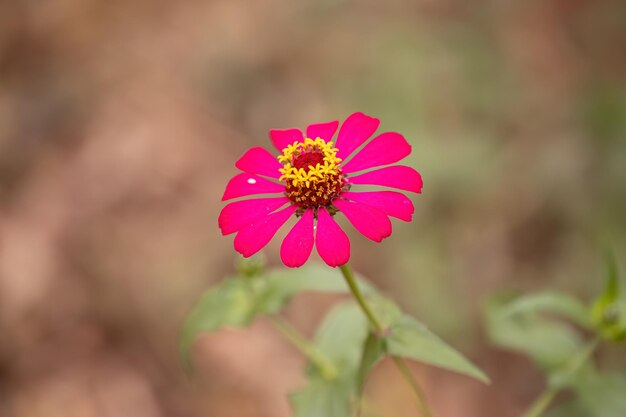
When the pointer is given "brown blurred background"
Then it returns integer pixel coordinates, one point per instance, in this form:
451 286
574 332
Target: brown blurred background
120 122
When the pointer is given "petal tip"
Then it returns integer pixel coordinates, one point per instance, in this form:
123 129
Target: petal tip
258 160
337 263
281 138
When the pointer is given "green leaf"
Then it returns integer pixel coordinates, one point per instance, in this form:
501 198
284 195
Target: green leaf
578 366
550 302
411 339
282 284
548 342
238 300
342 335
385 309
611 289
608 312
610 292
615 327
340 338
572 408
322 398
603 395
230 303
597 395
373 351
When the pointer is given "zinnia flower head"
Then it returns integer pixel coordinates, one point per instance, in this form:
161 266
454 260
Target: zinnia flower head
315 178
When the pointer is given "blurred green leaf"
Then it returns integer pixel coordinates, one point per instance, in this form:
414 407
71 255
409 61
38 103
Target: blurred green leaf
385 309
550 302
411 339
238 300
603 395
608 312
373 351
342 335
577 367
229 304
572 408
611 284
321 398
548 342
597 395
281 284
341 338
604 106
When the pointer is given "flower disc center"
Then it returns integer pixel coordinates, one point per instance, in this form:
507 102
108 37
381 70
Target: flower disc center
311 173
308 159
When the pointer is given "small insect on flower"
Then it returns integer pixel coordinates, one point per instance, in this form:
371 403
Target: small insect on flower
312 178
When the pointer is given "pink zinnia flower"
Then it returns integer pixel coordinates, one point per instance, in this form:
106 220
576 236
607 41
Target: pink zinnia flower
309 179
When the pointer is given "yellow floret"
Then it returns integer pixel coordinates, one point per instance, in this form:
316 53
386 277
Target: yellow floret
315 173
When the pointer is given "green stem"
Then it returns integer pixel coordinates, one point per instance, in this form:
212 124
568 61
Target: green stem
325 366
379 328
542 402
422 404
356 292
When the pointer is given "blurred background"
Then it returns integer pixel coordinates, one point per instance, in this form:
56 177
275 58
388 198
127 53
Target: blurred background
120 123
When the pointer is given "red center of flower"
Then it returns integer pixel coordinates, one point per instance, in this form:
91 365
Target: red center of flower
311 173
308 159
321 189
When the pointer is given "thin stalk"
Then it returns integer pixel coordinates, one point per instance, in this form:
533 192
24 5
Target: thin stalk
417 390
539 406
314 355
378 326
356 292
541 403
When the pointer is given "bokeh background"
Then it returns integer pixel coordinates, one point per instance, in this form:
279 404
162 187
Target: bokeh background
120 123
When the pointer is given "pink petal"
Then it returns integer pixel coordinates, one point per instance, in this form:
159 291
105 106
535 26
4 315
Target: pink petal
357 128
252 239
390 202
332 243
249 184
398 176
384 149
325 131
259 161
297 245
282 138
371 222
240 214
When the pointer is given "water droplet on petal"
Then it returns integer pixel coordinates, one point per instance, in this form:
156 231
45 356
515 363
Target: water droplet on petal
251 181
